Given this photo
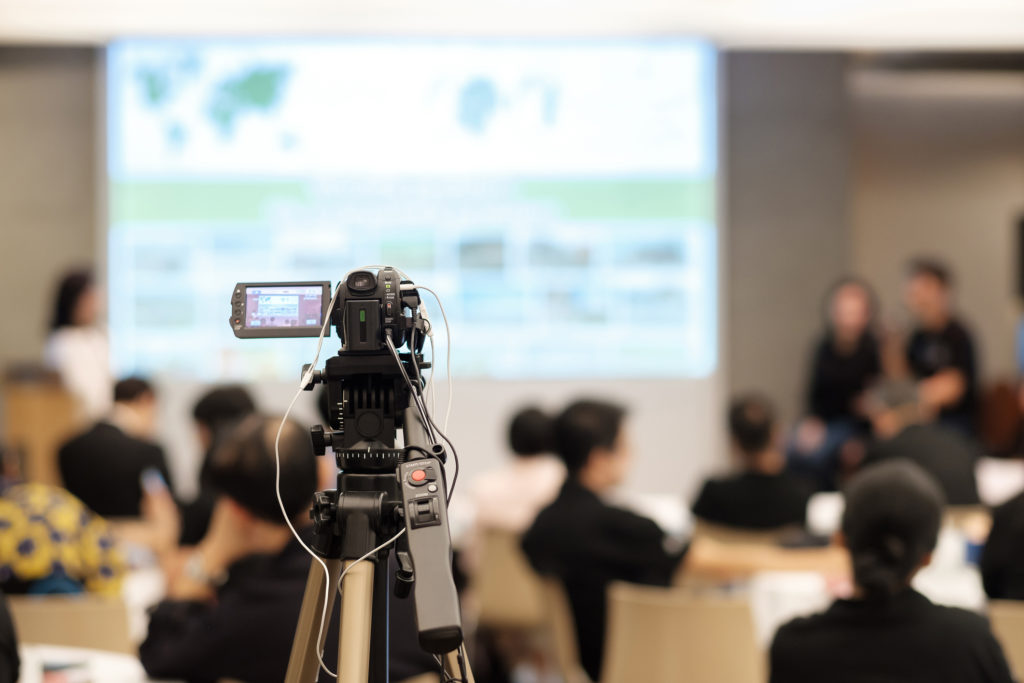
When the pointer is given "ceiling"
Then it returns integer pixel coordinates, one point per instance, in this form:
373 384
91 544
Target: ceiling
800 24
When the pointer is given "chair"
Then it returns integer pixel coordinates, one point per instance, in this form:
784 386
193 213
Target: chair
509 592
665 634
1007 617
38 416
562 628
72 621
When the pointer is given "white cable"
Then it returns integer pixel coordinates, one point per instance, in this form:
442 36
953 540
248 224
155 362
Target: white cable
448 361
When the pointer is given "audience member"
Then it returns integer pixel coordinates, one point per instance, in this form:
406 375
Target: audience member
940 351
238 592
887 631
510 497
943 452
585 542
104 466
51 543
846 361
1002 560
216 413
77 348
762 495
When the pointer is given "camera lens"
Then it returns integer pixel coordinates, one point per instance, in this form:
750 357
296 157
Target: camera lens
362 281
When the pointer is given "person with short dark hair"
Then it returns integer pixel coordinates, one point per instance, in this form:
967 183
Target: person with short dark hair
1002 559
104 465
585 542
887 631
233 604
940 351
762 495
77 349
215 414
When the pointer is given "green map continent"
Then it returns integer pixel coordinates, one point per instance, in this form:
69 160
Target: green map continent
257 90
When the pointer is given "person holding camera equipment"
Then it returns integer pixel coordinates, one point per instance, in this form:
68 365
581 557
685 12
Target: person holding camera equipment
392 490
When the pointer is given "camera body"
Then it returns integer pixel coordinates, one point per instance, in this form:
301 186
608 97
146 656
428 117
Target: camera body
370 305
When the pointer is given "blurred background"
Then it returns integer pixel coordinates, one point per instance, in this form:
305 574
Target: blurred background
643 201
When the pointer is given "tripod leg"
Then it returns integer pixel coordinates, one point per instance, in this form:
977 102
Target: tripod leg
303 666
356 622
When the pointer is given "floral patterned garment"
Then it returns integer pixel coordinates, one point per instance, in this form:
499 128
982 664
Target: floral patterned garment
51 543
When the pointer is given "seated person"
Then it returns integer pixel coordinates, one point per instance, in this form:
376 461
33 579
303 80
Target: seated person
103 466
51 543
762 495
238 592
10 662
215 414
1002 560
510 497
940 351
900 432
887 631
582 540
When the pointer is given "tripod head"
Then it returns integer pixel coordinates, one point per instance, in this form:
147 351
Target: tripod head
375 393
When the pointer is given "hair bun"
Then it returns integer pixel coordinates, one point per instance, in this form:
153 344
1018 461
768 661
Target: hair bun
531 432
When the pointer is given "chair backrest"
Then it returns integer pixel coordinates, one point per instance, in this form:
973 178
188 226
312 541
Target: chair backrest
38 416
562 627
665 634
1007 617
72 621
510 593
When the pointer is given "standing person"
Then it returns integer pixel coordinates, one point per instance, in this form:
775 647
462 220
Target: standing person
888 631
583 541
104 465
77 349
762 495
940 351
846 361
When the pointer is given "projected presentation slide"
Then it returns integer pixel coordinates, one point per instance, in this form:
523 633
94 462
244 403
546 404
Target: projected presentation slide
558 195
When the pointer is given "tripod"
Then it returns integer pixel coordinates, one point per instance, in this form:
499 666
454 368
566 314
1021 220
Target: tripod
383 494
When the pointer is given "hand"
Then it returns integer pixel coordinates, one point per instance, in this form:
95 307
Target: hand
810 435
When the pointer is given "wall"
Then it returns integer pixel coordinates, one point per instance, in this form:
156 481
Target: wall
939 170
48 189
786 168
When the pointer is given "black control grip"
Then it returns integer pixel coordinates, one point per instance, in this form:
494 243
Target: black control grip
438 617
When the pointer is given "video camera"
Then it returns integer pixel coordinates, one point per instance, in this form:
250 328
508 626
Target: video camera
374 390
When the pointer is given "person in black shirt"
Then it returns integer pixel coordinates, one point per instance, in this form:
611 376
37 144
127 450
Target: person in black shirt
1002 560
887 632
846 362
10 662
233 601
585 542
103 466
762 495
940 351
216 413
943 452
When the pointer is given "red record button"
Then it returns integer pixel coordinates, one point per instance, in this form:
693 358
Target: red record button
418 475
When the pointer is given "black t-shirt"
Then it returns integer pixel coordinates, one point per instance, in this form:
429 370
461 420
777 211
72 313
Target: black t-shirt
838 378
944 453
929 353
587 545
754 501
1002 561
103 466
903 640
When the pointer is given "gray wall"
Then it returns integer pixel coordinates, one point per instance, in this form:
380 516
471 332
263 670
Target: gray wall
939 170
786 176
48 189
